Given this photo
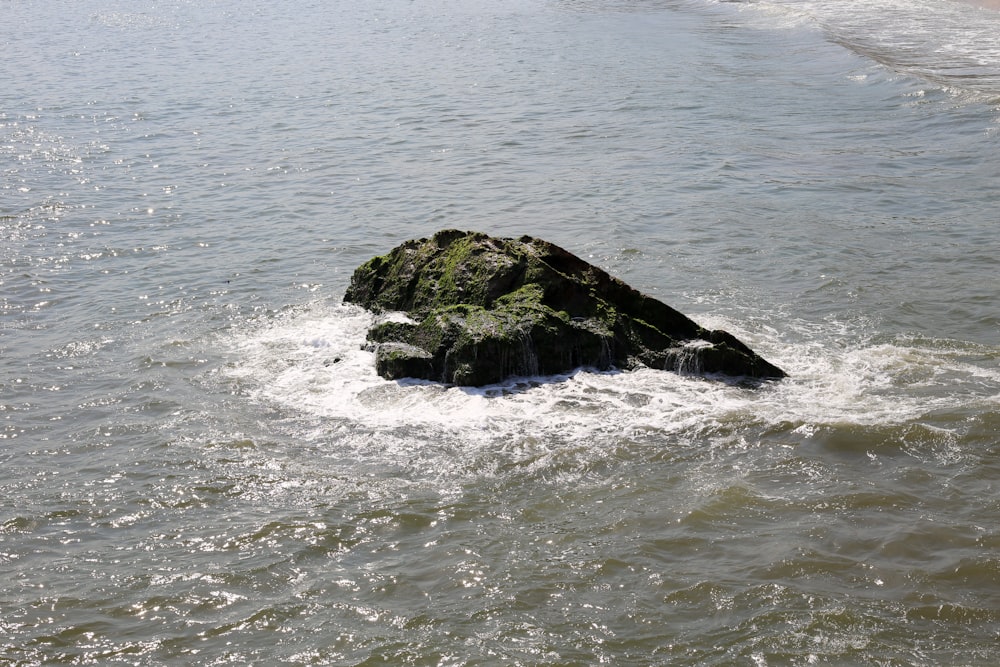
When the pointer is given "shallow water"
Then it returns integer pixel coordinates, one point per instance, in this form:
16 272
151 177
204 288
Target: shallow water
201 467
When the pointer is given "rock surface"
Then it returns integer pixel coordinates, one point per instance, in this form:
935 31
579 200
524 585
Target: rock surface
482 309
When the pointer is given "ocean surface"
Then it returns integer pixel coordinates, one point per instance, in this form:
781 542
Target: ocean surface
187 477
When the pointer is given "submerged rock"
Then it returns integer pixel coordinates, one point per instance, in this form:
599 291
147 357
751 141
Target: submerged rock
482 309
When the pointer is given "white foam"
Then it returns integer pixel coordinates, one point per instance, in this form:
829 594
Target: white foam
951 44
312 362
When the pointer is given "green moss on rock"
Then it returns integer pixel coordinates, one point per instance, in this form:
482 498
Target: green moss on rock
490 308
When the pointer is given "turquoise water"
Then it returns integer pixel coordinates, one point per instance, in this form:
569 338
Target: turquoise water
189 479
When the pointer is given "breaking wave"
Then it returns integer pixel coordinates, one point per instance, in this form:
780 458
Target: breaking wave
310 364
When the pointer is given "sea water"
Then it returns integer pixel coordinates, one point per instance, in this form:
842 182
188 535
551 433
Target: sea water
200 466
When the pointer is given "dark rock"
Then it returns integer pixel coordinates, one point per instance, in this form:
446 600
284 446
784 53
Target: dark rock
483 309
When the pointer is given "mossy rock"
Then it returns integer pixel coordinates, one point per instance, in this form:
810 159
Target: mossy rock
484 309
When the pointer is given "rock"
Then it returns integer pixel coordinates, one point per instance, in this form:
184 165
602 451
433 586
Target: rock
483 309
